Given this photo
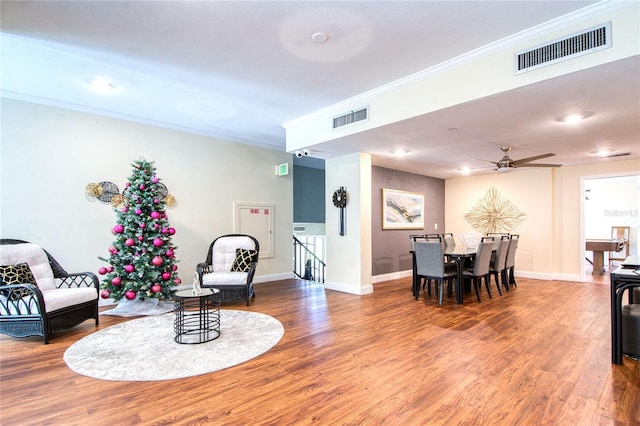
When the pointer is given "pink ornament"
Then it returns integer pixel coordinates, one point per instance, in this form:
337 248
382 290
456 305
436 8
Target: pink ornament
158 242
143 225
138 212
172 231
127 184
118 229
130 242
155 215
141 187
129 268
155 179
156 226
109 269
102 270
156 201
169 253
140 238
130 294
156 288
105 294
157 261
116 281
178 280
165 231
174 267
166 275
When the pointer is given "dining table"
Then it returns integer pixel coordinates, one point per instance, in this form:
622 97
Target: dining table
458 254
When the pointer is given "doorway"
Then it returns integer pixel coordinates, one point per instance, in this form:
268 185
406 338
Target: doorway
610 201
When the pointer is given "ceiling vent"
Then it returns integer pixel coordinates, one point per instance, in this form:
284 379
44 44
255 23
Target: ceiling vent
351 117
578 44
622 154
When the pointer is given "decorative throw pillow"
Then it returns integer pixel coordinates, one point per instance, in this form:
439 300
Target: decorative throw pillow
17 274
243 260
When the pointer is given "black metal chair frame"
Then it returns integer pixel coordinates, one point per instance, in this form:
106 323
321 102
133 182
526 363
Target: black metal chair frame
43 323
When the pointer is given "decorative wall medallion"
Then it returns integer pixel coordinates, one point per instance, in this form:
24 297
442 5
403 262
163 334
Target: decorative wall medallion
494 213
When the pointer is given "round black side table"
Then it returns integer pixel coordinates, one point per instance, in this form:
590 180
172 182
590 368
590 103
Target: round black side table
197 316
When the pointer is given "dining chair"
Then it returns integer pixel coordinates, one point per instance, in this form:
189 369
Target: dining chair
511 259
416 237
480 267
497 264
430 266
449 240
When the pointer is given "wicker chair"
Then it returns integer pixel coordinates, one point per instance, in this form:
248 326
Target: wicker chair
230 266
60 299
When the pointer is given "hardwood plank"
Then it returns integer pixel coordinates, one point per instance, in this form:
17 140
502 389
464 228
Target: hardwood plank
539 354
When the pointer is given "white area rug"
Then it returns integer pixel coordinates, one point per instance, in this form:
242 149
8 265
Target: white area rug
144 350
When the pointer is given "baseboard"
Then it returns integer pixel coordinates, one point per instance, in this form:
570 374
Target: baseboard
544 276
348 288
391 276
273 277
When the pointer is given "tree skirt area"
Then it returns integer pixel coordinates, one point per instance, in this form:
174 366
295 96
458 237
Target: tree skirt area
144 349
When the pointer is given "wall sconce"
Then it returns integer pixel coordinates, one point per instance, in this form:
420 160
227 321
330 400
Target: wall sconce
109 193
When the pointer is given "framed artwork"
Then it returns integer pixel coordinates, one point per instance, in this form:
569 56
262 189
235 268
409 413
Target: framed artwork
402 209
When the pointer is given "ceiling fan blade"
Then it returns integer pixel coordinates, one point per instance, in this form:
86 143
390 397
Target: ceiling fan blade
486 161
537 165
529 159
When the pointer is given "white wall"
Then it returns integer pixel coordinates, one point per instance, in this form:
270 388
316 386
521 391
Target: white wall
530 191
349 255
50 154
551 236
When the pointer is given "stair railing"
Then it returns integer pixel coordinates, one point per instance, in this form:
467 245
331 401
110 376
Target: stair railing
306 265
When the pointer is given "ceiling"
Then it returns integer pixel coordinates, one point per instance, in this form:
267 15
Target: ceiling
239 70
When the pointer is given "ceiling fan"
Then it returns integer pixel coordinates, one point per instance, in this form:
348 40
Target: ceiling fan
507 164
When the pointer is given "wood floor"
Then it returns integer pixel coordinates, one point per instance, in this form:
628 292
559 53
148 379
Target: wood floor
540 354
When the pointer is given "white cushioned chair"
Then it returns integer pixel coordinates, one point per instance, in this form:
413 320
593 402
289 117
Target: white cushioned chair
37 296
230 266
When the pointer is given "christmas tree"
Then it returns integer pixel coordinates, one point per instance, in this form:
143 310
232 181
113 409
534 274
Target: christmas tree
142 262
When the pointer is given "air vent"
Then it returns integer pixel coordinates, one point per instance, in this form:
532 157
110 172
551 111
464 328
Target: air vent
354 116
622 154
299 229
578 44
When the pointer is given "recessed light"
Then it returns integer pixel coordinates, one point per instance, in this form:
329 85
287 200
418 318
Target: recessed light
574 118
603 153
319 37
101 85
465 170
400 152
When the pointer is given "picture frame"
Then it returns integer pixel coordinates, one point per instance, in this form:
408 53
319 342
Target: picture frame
402 209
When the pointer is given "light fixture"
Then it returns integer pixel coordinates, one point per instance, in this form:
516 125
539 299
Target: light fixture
319 37
101 85
465 170
574 118
399 152
602 152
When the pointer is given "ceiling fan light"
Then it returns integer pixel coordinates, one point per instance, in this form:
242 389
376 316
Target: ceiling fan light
504 169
